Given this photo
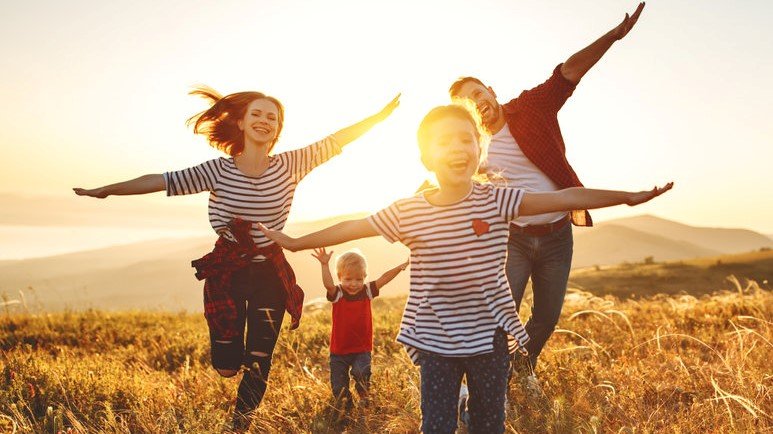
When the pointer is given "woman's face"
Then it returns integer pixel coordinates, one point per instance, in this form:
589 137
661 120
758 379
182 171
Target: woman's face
452 150
260 122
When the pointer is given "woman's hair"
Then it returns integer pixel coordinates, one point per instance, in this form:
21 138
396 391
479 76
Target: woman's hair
220 122
351 260
460 109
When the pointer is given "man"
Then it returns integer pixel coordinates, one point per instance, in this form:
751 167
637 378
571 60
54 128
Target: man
528 151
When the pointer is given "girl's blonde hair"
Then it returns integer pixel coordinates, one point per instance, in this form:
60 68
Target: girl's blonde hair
351 260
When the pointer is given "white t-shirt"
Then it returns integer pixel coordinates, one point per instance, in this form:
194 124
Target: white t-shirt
506 159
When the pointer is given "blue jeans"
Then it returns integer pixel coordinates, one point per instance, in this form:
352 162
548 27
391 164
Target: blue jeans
359 363
486 374
547 260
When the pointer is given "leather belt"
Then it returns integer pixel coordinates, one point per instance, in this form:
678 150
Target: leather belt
540 230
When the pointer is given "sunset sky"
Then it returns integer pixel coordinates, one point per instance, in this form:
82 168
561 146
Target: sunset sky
96 92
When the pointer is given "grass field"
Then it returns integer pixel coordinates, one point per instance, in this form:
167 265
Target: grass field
676 364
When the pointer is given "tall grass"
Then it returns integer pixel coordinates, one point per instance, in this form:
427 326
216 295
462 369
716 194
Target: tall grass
662 364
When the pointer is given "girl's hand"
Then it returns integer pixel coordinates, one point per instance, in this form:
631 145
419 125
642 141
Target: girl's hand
322 256
389 108
99 193
278 237
629 21
644 196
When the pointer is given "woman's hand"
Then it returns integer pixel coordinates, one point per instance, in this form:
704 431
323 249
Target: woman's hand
645 196
99 193
322 255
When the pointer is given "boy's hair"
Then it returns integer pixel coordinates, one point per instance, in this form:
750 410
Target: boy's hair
350 260
461 109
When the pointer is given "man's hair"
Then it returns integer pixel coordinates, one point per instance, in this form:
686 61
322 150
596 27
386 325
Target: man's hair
456 86
351 260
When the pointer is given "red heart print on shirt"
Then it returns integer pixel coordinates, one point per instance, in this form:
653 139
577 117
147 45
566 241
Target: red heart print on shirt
480 227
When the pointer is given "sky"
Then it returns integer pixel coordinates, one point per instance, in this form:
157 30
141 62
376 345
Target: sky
96 92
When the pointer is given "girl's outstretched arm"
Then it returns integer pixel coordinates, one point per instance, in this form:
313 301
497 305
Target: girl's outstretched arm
336 234
352 132
584 198
143 184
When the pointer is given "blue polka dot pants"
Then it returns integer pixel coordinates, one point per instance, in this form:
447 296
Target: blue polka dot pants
486 374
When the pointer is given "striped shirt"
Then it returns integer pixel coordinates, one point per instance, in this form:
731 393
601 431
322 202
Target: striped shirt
265 199
459 294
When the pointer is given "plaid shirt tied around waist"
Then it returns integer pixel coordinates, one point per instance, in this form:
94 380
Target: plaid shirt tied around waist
217 267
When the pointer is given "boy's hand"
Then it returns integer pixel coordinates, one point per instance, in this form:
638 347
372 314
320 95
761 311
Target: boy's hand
278 237
322 256
389 108
644 196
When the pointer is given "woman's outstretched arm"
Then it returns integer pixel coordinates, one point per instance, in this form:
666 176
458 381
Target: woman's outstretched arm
584 198
331 236
143 184
352 132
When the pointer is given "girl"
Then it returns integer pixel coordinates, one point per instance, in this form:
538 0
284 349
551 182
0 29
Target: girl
460 317
248 278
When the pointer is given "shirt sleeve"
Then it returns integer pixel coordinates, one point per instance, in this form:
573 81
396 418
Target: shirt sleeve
336 296
387 223
372 290
304 160
193 179
508 201
550 95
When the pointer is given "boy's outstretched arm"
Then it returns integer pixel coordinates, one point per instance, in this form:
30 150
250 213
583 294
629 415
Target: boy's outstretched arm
352 132
581 62
327 279
584 198
143 184
336 234
390 274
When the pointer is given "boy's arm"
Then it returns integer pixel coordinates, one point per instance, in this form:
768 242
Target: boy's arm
327 279
331 236
581 62
391 274
352 132
584 198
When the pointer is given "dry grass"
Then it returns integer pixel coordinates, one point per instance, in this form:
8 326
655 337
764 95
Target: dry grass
662 364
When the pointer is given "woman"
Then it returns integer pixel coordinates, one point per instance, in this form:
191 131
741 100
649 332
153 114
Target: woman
248 278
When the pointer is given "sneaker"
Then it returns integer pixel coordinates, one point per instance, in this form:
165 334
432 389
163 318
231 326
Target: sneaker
464 415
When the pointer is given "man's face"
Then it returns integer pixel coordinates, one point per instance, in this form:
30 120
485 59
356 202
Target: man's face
485 100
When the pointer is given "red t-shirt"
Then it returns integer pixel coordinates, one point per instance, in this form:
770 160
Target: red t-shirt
352 320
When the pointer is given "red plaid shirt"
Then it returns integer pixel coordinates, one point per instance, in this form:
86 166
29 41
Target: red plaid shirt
533 121
218 266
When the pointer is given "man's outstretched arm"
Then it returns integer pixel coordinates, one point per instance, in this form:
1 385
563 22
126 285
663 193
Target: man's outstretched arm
582 61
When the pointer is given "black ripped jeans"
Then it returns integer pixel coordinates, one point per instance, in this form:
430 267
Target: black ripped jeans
260 303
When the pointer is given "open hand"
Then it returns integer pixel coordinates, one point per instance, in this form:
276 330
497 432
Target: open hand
278 237
389 108
322 255
99 193
623 28
644 196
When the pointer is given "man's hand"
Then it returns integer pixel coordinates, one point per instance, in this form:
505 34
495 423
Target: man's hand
322 256
623 28
645 196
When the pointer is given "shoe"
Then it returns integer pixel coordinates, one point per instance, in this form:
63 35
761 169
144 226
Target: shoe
464 415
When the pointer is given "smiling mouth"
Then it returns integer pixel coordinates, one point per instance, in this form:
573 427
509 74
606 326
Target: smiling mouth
458 165
262 130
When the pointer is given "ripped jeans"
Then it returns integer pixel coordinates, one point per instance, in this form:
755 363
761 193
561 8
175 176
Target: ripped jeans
260 303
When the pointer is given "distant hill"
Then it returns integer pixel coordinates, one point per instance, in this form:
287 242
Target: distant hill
692 276
717 239
157 274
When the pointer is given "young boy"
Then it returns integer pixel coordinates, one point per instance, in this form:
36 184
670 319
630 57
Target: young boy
351 340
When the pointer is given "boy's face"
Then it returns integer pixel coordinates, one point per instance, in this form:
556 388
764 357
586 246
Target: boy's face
352 281
452 150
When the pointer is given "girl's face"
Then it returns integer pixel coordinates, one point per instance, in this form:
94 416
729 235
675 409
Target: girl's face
260 122
452 150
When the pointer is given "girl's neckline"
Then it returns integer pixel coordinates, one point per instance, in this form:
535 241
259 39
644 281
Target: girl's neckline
446 205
